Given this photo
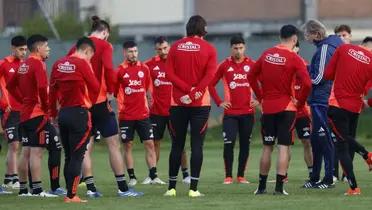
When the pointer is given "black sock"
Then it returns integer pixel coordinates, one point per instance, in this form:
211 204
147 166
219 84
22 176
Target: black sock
185 173
228 156
36 187
194 184
279 183
152 173
89 181
172 182
310 170
122 184
23 188
15 178
131 173
54 162
262 182
8 179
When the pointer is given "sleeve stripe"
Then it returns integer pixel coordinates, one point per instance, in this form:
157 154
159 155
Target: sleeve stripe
323 56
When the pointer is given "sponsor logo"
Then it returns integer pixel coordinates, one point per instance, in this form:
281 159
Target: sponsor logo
234 85
66 67
24 139
129 91
123 136
161 75
158 82
246 68
156 68
275 59
230 69
140 74
134 82
269 138
359 56
23 69
240 76
188 46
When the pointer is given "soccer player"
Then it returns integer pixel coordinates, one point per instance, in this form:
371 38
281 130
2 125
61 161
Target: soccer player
161 100
30 85
321 137
11 109
70 81
350 68
134 81
191 66
275 70
103 117
238 106
344 32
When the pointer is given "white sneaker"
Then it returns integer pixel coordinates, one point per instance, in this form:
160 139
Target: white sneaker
187 180
157 181
45 195
7 186
147 181
15 186
132 182
25 195
345 180
335 179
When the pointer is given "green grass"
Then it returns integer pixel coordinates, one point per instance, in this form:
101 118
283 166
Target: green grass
218 196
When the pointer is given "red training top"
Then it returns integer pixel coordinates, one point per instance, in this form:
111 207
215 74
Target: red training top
8 68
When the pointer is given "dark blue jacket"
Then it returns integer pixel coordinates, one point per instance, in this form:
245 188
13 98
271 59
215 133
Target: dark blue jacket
321 89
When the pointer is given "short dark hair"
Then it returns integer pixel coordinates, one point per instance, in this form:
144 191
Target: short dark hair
341 28
99 25
367 39
18 41
160 40
288 31
85 42
236 40
196 26
34 40
129 44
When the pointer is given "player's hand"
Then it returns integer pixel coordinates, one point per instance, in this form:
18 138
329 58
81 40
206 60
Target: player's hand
254 103
110 96
186 99
366 104
295 101
225 105
8 109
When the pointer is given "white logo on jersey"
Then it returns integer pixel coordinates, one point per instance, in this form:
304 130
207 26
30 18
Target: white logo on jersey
359 56
234 85
11 70
188 46
66 67
275 59
23 69
158 82
134 82
129 90
297 87
161 75
140 74
230 69
240 76
246 68
126 75
156 68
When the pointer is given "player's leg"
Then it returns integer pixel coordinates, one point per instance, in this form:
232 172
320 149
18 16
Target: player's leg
230 126
245 132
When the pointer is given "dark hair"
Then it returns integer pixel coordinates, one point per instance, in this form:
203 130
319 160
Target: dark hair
341 28
34 40
84 42
160 40
288 31
367 39
129 44
196 26
18 41
236 40
297 43
99 25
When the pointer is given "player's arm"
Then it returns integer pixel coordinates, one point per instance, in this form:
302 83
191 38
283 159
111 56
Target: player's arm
149 86
53 94
252 76
119 78
90 79
12 88
42 85
321 59
303 76
212 86
330 71
110 74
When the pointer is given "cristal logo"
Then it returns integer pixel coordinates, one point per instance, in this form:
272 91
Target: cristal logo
275 59
66 67
240 76
188 46
23 69
359 56
134 82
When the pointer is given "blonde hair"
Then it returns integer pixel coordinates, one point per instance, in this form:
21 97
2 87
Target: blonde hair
314 27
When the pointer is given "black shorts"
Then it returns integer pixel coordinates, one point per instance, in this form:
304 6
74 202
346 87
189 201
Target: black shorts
159 123
104 120
10 122
278 126
33 132
234 124
143 128
303 127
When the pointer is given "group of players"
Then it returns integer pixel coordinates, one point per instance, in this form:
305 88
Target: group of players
173 89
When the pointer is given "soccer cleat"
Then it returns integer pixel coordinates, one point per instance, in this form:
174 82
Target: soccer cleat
187 180
59 191
228 180
309 185
242 180
28 194
350 191
75 199
335 179
157 181
7 186
95 194
146 181
132 182
4 192
15 186
170 193
259 192
45 195
283 192
130 193
323 185
369 161
195 194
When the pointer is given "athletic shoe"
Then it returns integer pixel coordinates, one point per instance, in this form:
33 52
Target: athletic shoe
15 186
82 184
259 192
95 194
7 186
28 194
369 161
157 180
335 179
130 193
45 195
187 180
170 193
323 185
241 180
309 185
283 192
75 199
132 182
59 191
4 192
345 179
228 180
195 194
146 181
350 191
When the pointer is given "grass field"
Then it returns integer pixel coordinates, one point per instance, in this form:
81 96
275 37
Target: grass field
218 196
